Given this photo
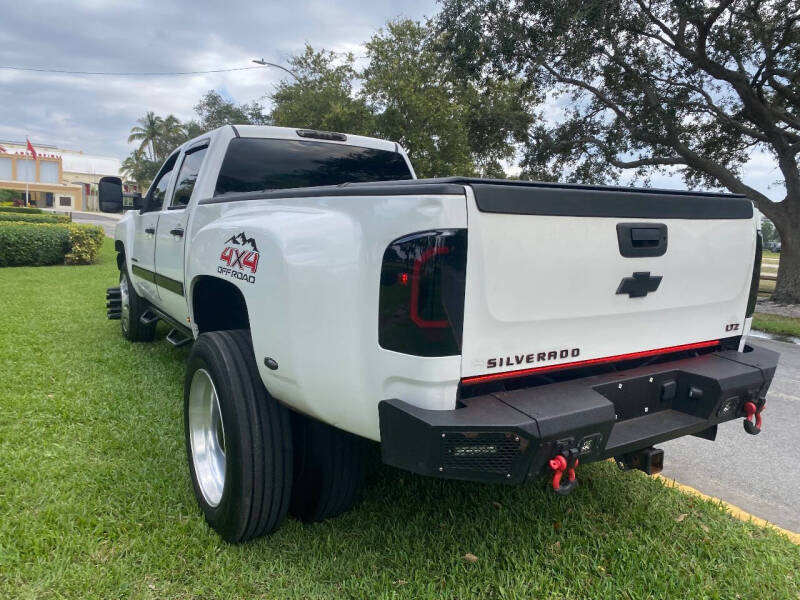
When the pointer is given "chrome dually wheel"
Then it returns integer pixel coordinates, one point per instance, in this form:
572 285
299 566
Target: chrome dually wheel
238 438
206 437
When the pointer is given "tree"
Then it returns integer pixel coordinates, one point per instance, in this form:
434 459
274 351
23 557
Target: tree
407 94
171 134
147 133
448 125
8 195
215 111
159 136
405 81
651 85
139 168
323 97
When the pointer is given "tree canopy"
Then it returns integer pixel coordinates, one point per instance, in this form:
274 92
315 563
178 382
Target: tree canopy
147 132
215 111
406 92
324 95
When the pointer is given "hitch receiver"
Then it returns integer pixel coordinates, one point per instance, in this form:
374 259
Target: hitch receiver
650 460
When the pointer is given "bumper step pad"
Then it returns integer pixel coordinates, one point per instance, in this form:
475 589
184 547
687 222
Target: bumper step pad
511 436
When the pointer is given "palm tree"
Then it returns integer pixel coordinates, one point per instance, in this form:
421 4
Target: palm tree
137 167
171 135
131 166
147 133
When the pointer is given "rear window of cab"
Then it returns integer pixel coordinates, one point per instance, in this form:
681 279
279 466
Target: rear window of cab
258 164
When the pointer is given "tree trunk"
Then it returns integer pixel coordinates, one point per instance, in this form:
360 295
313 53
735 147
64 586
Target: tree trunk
787 288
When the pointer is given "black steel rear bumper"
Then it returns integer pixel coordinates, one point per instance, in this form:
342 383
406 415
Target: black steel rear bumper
510 436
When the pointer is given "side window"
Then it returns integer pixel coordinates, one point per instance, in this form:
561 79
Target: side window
158 191
187 177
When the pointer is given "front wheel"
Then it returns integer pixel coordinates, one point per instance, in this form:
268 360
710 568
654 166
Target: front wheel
238 439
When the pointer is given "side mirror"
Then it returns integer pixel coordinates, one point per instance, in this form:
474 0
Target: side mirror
113 200
109 192
132 201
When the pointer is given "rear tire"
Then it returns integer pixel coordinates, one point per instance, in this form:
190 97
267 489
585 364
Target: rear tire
239 451
132 306
328 469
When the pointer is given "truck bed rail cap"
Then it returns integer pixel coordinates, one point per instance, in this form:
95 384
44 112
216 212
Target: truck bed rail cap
355 189
577 200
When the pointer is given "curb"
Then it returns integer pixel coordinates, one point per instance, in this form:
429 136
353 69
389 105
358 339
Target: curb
734 511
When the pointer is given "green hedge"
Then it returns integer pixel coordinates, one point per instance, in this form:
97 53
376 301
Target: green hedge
84 243
29 210
32 244
36 244
25 218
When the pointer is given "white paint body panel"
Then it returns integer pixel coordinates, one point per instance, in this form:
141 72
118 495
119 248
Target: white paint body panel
547 283
314 304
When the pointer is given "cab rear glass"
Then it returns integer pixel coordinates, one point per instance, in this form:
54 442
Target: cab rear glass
258 164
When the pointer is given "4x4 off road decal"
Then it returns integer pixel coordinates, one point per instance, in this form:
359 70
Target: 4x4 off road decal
240 255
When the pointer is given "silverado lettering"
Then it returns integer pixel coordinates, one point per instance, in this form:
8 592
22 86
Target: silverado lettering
534 357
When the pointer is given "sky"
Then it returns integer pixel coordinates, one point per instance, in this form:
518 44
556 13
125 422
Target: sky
95 113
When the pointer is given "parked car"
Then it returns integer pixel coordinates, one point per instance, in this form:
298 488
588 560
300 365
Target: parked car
483 330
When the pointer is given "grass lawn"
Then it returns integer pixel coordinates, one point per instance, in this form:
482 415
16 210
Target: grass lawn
95 500
776 324
766 287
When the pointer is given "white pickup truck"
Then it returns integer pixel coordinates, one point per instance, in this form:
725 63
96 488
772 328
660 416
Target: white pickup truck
485 330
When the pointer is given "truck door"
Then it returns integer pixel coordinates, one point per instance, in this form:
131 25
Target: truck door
144 243
171 235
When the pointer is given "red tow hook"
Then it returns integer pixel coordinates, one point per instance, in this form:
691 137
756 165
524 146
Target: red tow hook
750 409
559 464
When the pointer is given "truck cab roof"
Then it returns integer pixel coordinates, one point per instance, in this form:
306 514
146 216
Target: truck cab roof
291 133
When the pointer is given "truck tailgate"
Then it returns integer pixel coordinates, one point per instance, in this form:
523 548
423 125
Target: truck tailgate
547 282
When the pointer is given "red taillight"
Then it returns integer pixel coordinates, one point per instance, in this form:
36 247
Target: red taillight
421 305
415 287
588 362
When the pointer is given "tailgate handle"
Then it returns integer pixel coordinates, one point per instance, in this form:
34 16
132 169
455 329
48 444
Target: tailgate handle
645 236
642 239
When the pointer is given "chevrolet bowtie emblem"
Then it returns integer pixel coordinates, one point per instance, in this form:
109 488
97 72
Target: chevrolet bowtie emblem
639 285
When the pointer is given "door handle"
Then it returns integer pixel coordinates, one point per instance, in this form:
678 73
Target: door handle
150 230
177 231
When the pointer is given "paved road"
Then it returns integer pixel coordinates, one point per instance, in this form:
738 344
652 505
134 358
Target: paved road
106 222
760 474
